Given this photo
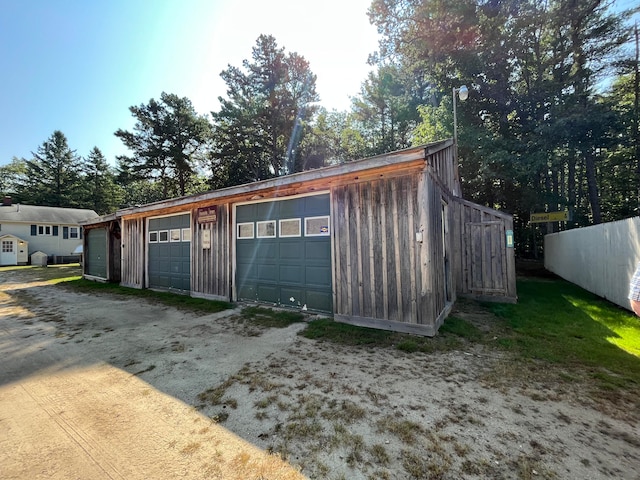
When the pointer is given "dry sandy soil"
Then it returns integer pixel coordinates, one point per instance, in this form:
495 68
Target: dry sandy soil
103 386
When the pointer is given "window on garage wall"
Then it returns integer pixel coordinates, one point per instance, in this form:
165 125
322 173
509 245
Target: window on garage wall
316 226
290 227
266 229
245 230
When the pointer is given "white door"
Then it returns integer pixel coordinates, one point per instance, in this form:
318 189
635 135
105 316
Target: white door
8 252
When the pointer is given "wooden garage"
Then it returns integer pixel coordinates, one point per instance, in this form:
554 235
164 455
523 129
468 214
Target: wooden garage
102 249
385 242
283 252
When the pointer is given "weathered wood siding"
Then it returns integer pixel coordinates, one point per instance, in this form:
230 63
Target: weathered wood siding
484 266
133 252
443 168
438 293
210 268
379 267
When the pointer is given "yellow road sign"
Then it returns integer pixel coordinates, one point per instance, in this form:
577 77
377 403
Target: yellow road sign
549 217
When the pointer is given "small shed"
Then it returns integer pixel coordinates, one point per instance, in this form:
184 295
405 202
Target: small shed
13 250
39 258
384 242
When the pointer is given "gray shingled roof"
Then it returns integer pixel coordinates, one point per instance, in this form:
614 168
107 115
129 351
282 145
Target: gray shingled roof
36 214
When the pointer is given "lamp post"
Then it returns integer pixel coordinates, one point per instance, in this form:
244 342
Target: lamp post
463 92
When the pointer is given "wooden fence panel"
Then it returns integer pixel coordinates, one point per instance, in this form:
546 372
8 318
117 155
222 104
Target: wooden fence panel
484 267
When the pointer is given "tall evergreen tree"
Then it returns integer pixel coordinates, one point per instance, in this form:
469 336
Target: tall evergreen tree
166 141
387 109
260 125
12 176
102 194
532 132
52 177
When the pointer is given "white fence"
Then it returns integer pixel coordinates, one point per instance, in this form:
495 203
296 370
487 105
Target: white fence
600 259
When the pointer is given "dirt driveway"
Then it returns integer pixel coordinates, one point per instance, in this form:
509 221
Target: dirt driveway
101 386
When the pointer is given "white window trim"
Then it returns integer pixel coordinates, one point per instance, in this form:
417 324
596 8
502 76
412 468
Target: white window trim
156 235
5 246
44 230
77 231
160 232
298 220
186 234
266 222
322 234
253 231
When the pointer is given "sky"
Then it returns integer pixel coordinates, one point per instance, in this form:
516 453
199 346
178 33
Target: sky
78 65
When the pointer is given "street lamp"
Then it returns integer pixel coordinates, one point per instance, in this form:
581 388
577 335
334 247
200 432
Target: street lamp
463 93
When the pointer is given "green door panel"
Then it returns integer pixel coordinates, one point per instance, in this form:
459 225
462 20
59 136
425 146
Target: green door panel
285 271
96 255
170 262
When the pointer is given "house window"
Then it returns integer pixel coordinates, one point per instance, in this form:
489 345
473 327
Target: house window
74 232
316 226
153 237
7 246
44 229
245 230
290 227
267 229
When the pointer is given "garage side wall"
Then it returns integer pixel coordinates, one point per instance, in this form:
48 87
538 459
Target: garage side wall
210 256
378 280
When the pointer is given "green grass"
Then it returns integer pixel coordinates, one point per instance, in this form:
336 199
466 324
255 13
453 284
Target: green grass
184 302
52 274
555 323
70 276
559 323
325 329
267 317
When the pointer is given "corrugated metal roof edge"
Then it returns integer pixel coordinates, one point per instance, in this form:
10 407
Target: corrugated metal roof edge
396 157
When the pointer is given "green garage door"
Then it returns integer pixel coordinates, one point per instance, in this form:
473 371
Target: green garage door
96 254
283 253
169 241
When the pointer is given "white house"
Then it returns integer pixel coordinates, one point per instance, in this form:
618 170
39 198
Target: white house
55 231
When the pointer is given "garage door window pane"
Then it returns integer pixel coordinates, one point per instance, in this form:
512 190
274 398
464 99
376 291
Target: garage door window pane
163 236
186 234
316 226
245 230
290 227
153 237
175 235
267 229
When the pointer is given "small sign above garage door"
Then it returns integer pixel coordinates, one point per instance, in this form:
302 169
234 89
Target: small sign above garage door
283 252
